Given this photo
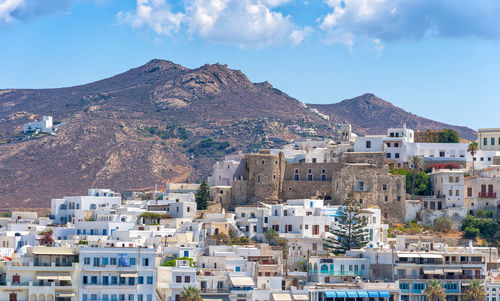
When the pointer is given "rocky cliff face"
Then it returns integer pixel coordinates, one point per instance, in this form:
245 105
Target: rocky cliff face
370 114
155 123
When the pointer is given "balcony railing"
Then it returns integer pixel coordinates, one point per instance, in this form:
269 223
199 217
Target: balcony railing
215 291
490 195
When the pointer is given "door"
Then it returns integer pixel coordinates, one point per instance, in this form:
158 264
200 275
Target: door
13 297
16 278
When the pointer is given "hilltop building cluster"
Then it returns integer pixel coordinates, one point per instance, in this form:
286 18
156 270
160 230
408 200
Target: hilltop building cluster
264 234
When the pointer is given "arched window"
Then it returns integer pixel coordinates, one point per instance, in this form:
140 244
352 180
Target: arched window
324 268
315 268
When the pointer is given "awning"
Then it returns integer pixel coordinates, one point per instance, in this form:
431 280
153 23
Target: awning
129 275
433 271
453 270
431 256
242 281
64 278
363 294
282 297
65 295
330 294
341 294
408 255
384 294
46 277
54 251
300 297
373 294
352 294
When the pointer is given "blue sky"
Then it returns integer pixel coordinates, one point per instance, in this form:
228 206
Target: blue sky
437 59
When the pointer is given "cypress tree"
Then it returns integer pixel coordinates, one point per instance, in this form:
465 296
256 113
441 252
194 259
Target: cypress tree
202 196
350 233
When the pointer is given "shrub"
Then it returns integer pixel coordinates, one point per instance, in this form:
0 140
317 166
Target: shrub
443 224
471 232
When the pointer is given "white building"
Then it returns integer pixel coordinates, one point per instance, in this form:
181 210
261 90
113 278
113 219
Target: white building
112 274
399 146
223 172
63 210
488 139
45 125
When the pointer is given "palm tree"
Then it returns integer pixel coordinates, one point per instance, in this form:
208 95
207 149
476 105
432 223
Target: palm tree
472 149
475 291
190 293
418 165
434 291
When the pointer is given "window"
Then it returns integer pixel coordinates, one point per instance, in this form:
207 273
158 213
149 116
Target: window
398 198
309 177
243 214
93 279
457 192
396 155
84 297
122 280
388 144
145 262
388 155
384 186
323 177
178 279
105 280
492 141
96 261
140 280
258 178
396 144
85 280
150 280
105 261
386 198
132 261
140 298
485 141
297 177
112 261
114 280
469 191
130 297
131 281
105 297
86 260
368 144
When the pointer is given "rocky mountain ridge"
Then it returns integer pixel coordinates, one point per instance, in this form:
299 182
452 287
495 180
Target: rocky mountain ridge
155 123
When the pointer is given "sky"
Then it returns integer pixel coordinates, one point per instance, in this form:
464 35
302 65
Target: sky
437 59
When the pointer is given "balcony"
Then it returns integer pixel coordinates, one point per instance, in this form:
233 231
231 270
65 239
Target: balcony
214 291
488 195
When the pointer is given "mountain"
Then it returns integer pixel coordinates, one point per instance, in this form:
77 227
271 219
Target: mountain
155 123
370 114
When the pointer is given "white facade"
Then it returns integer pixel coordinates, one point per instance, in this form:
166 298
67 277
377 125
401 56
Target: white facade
64 210
44 125
223 172
117 274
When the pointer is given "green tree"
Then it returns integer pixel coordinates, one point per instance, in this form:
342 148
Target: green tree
443 224
202 196
472 149
434 291
350 233
417 163
423 185
474 291
471 232
190 293
448 136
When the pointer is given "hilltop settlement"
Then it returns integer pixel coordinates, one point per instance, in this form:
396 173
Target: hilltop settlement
406 215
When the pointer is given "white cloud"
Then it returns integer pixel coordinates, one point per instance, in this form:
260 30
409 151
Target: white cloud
20 10
6 9
245 23
156 14
380 21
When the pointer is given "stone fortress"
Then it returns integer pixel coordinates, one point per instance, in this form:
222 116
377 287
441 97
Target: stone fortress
328 171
